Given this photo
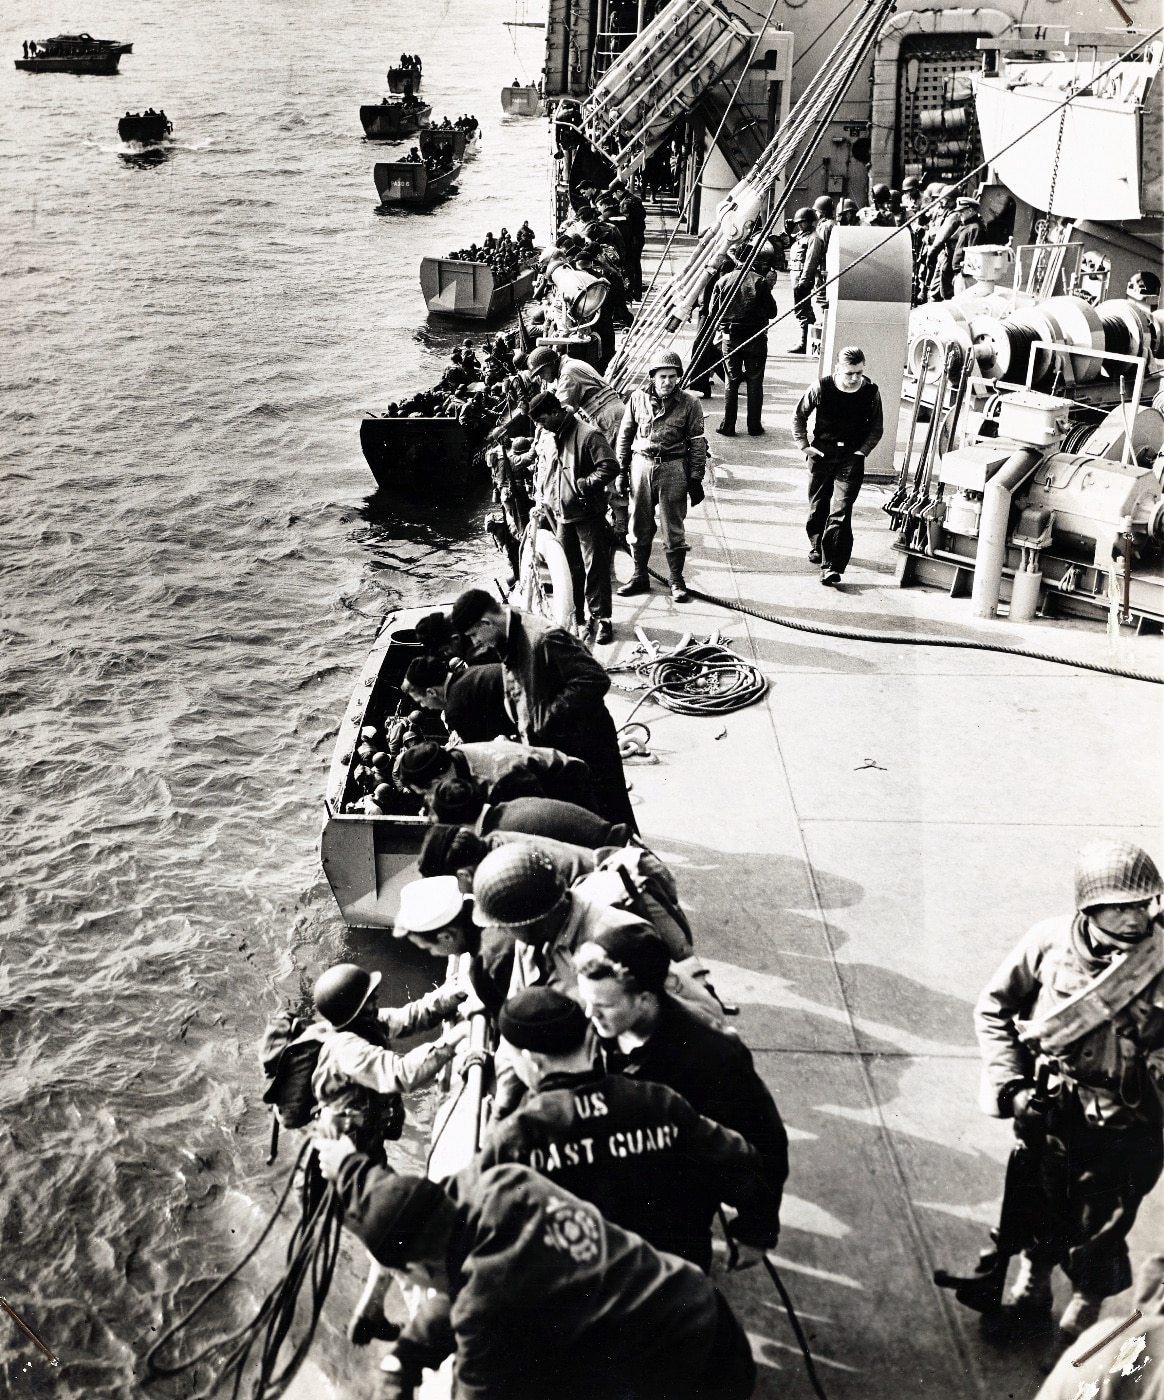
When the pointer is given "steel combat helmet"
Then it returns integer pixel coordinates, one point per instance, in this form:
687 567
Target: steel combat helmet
666 359
515 886
1115 872
341 993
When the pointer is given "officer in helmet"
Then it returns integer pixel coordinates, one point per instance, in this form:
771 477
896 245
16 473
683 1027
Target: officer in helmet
1071 1029
847 213
662 449
804 259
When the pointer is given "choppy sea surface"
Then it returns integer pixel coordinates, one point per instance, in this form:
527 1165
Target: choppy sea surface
192 565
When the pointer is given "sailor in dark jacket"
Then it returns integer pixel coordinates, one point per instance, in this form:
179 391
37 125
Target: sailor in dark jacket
636 1149
849 424
547 1298
742 303
555 689
645 1032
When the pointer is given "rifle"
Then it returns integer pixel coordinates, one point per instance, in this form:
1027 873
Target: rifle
1022 1207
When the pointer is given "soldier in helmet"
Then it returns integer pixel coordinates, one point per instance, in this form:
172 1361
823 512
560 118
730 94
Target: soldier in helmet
742 305
847 213
662 447
804 259
1077 1010
879 214
826 221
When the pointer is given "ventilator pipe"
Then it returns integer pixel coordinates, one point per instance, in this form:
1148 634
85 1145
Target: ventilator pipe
992 529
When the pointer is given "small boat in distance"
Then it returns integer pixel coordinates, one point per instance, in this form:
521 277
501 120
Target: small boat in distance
470 290
73 53
391 119
443 141
522 100
147 127
409 183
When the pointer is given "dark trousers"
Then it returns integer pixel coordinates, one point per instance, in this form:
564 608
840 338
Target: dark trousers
595 741
587 549
745 364
1092 1181
802 294
832 493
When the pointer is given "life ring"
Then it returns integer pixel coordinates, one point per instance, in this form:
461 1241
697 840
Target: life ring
539 550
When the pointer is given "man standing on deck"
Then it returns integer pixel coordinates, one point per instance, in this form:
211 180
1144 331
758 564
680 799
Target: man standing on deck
1082 995
663 448
555 689
804 257
575 466
849 424
742 304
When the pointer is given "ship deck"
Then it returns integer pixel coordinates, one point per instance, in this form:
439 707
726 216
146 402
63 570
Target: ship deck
857 852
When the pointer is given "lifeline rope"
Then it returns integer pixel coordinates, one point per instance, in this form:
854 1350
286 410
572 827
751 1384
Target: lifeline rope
851 634
311 1253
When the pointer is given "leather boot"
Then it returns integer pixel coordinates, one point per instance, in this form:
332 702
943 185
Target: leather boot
640 580
675 558
802 348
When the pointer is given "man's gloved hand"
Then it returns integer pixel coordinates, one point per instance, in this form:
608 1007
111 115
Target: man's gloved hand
695 491
622 485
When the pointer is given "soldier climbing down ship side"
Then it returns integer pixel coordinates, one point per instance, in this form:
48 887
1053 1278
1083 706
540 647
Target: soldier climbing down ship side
1079 1006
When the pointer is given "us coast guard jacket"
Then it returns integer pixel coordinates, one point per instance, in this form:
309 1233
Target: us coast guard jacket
643 1156
548 1297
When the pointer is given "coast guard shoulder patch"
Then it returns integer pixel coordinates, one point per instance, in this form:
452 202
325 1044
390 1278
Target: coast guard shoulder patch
573 1229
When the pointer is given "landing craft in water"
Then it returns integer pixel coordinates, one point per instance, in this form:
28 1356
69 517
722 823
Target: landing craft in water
146 128
391 119
73 53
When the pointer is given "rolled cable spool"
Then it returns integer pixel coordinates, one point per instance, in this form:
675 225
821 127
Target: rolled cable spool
1003 347
1127 330
1078 324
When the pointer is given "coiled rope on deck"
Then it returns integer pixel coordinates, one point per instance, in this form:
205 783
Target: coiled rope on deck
698 678
852 634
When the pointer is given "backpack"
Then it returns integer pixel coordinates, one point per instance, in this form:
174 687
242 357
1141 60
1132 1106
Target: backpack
289 1053
636 880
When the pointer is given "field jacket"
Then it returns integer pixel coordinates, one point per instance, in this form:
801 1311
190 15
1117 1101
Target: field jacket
575 467
671 432
552 681
1112 1069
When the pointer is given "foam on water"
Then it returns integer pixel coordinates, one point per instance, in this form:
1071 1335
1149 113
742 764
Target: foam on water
190 573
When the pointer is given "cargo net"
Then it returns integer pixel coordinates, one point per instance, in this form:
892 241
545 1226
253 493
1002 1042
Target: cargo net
687 47
753 207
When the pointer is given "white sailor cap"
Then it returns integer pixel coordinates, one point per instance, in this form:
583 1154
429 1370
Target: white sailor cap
426 905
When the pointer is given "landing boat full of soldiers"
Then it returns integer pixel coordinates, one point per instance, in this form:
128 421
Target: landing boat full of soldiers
146 128
74 53
392 119
402 80
410 183
423 457
372 832
470 290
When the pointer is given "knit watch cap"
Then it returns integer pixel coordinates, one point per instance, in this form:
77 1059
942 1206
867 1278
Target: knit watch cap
397 1213
442 850
423 761
640 950
426 905
456 801
544 1020
471 607
542 403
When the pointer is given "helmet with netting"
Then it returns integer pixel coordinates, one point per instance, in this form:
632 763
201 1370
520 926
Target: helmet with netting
514 886
1115 872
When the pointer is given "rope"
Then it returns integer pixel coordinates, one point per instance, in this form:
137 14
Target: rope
312 1252
849 634
798 1331
701 678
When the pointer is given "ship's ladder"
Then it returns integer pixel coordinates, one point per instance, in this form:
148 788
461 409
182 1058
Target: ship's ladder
688 47
752 208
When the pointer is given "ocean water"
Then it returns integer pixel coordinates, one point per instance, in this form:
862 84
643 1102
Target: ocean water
192 566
